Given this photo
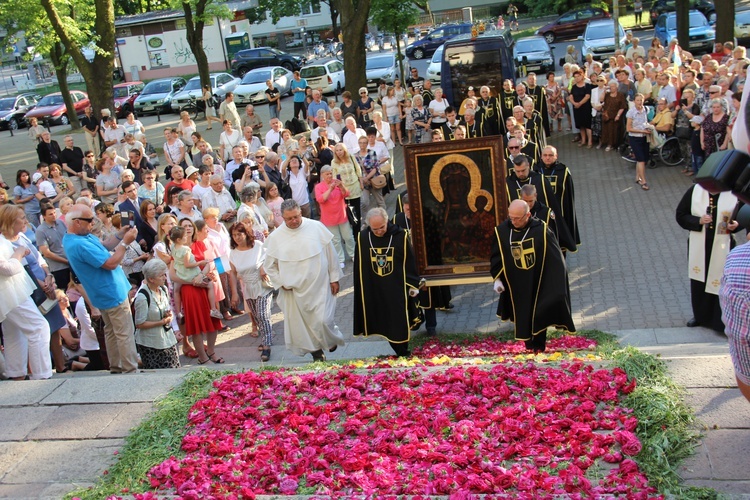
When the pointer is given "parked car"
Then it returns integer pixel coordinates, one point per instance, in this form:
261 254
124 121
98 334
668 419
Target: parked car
433 70
252 88
125 95
262 57
13 109
381 67
325 74
221 83
742 27
535 53
702 35
52 107
157 95
598 39
571 24
428 44
659 7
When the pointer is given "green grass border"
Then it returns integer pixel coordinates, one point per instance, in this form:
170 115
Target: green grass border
666 424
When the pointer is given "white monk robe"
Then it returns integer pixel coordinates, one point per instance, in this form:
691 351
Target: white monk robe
302 263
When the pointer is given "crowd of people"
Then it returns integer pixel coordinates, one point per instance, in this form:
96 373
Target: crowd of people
130 264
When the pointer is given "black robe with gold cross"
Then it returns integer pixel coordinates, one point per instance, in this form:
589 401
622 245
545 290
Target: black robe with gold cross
561 181
531 266
384 271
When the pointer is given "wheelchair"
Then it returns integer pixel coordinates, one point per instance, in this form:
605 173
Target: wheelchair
671 152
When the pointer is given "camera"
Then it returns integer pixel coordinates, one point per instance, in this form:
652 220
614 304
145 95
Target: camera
726 171
254 167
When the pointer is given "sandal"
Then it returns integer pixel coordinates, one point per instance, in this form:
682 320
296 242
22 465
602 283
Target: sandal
191 353
218 361
690 173
645 187
203 362
254 334
265 355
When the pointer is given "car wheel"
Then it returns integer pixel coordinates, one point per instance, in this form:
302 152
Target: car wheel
549 36
288 66
418 53
241 71
13 124
64 120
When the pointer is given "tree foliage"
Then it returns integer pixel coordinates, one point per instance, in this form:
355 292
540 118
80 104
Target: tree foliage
394 16
197 14
74 33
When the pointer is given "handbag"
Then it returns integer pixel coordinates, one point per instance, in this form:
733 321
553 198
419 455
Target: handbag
379 181
683 132
43 303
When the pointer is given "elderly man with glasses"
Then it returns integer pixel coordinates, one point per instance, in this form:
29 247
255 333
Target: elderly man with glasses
105 283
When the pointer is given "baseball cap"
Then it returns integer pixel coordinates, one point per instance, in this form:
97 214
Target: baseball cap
35 178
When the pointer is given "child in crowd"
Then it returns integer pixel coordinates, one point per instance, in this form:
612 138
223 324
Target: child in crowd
187 269
409 120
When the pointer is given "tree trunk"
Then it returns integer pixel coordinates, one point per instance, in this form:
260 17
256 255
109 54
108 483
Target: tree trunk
98 73
724 20
334 22
683 24
60 61
354 15
194 33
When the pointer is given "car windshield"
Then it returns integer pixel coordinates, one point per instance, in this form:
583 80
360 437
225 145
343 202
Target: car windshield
6 104
379 62
194 84
531 46
120 92
438 55
256 77
697 20
742 17
600 32
50 100
312 71
157 88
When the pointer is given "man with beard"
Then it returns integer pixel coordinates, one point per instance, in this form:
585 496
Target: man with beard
561 181
530 275
522 175
386 284
544 214
434 297
539 96
491 110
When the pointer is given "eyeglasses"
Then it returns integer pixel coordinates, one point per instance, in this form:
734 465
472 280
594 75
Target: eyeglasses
363 93
514 147
86 219
259 156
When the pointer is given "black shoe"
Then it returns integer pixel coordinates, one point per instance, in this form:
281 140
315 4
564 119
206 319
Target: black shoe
693 323
318 355
265 355
333 349
431 332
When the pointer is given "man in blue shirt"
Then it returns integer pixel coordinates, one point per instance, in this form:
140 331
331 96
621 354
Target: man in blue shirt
105 283
315 105
298 89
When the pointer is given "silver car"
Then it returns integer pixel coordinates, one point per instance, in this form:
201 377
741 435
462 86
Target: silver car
221 83
381 67
599 40
252 88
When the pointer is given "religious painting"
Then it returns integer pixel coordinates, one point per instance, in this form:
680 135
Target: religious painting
457 195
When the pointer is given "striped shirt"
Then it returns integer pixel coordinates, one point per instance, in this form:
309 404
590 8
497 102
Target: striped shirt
734 297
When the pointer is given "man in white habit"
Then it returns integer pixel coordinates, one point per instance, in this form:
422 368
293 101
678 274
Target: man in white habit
302 263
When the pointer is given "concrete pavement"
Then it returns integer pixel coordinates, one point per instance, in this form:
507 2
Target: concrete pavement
628 277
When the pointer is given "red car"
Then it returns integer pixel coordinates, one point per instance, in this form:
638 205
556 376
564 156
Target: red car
125 94
571 24
52 107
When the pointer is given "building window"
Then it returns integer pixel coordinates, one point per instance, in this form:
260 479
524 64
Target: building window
310 7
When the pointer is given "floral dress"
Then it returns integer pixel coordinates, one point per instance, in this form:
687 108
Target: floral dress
711 130
421 134
555 104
